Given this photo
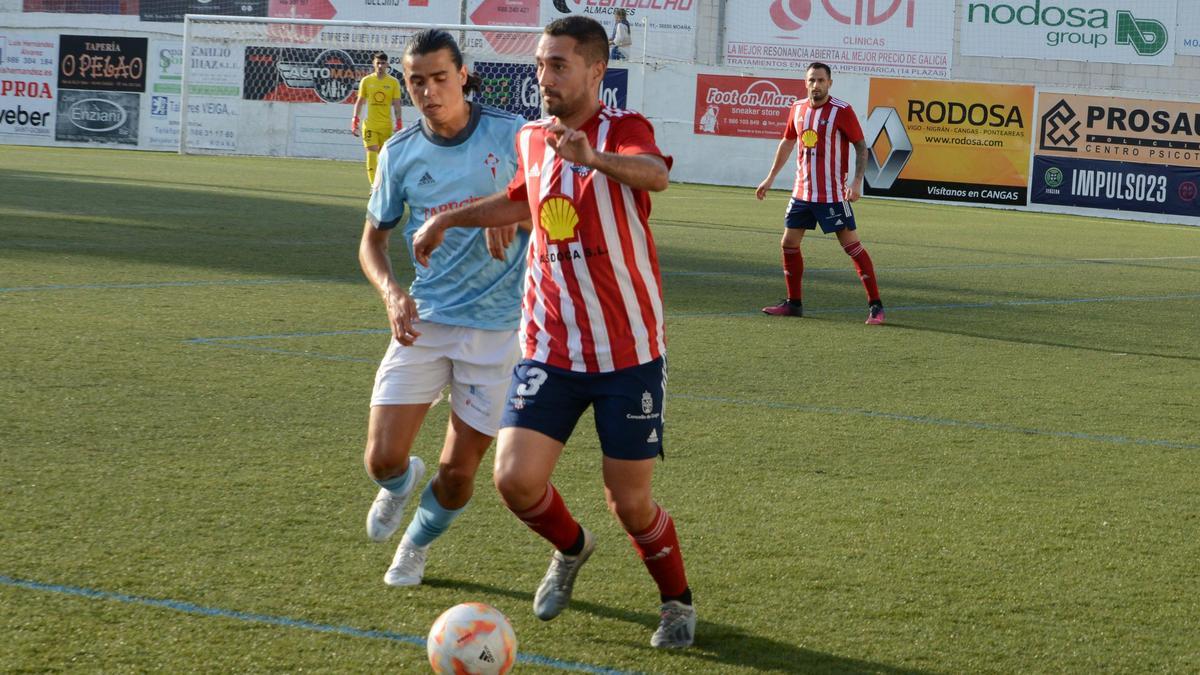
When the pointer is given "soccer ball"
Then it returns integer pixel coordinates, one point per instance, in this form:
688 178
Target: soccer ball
472 638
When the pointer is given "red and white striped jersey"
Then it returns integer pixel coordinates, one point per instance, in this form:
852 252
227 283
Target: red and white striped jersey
823 155
593 292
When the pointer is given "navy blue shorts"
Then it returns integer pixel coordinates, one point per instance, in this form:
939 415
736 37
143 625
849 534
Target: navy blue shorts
627 403
832 216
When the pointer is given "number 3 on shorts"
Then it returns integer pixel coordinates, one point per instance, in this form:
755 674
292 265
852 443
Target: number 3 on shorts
534 379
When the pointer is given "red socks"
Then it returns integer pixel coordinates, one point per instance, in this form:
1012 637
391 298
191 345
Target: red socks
866 270
658 547
551 519
793 272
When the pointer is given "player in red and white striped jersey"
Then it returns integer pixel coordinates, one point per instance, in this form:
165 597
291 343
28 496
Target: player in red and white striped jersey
826 128
592 319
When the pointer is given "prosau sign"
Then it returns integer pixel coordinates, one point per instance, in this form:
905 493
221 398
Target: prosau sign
102 63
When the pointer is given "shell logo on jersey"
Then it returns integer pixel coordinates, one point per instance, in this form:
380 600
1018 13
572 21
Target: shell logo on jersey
558 217
810 138
379 97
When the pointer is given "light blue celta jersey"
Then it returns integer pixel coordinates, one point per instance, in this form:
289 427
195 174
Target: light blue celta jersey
463 285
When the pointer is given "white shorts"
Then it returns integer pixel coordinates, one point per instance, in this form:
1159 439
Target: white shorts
476 364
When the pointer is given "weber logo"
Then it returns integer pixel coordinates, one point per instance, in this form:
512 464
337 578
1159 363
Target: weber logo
24 118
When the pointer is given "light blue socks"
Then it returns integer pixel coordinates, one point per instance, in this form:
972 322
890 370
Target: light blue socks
400 484
431 519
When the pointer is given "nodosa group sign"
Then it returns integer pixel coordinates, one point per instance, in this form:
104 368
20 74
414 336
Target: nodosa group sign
1112 31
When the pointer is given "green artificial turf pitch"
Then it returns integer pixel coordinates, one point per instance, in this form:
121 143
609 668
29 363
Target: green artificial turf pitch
1001 479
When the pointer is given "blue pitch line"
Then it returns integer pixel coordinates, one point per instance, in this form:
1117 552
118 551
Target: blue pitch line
250 617
284 352
962 305
160 284
239 338
938 421
928 268
679 273
230 342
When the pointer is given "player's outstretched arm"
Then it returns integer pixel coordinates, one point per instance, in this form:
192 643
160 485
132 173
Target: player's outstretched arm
640 172
377 267
782 152
494 211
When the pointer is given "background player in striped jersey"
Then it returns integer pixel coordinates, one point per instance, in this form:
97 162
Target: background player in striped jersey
592 320
381 94
826 128
456 326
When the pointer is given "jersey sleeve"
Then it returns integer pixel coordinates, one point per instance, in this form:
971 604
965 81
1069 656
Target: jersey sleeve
362 91
849 126
386 206
789 131
517 192
514 159
634 135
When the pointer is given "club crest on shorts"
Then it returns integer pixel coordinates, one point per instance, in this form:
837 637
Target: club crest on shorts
647 403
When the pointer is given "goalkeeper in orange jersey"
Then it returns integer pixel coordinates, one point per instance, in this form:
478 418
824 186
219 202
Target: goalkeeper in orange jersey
380 92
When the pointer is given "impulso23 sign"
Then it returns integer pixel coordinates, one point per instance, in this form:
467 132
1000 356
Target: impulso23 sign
1112 31
1118 154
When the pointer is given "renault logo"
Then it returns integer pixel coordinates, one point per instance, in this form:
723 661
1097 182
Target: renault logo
886 120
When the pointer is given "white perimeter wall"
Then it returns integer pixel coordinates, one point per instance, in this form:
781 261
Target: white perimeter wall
724 160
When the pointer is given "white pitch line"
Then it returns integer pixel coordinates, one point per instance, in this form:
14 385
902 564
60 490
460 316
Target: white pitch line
1165 257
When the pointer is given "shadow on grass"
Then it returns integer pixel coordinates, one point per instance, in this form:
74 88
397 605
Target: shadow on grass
717 644
1033 341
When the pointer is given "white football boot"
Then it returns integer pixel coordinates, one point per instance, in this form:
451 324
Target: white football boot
408 565
554 592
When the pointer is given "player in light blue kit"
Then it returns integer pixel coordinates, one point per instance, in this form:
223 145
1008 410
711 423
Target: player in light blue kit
456 326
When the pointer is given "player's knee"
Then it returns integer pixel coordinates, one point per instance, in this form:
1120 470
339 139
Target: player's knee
633 511
382 463
455 484
517 491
